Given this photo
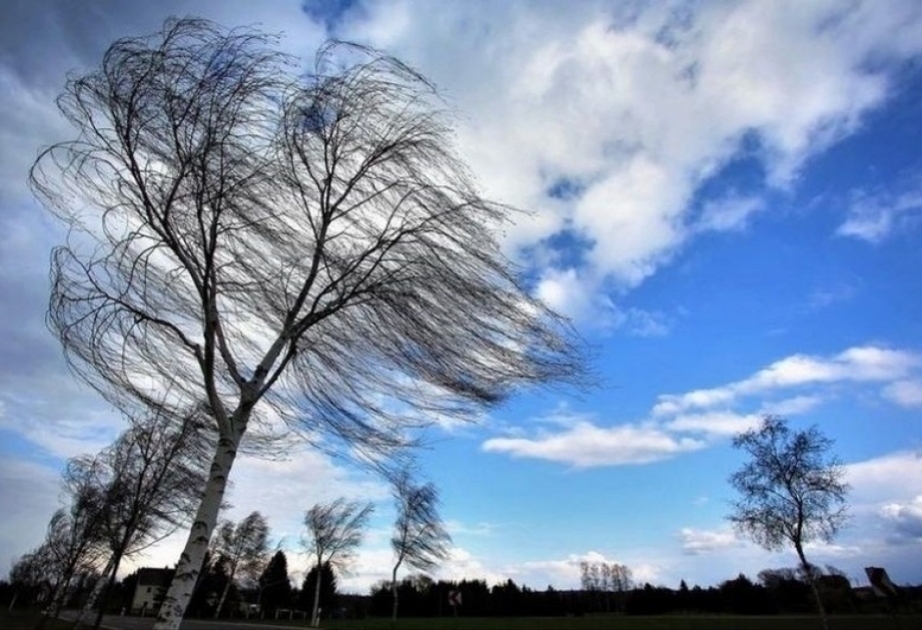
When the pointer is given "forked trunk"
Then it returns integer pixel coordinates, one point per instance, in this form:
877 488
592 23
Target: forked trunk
315 615
193 555
808 571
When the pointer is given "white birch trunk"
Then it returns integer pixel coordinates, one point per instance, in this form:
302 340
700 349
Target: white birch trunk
190 562
87 609
227 585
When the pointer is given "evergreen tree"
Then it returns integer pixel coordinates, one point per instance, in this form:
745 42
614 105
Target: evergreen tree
327 589
274 586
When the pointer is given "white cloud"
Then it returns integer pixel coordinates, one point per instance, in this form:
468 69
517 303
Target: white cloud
791 406
857 364
586 445
906 517
702 541
717 423
893 477
779 82
907 393
731 213
875 217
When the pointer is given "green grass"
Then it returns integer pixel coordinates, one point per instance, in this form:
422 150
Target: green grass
666 622
26 620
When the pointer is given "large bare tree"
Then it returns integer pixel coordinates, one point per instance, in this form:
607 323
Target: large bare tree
420 539
792 490
298 251
334 532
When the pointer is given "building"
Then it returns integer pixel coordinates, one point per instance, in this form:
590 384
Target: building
149 590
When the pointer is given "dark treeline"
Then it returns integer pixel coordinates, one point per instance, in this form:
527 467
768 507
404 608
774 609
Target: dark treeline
777 592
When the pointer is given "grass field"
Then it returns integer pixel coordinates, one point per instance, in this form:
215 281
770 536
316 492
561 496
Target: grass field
27 620
671 622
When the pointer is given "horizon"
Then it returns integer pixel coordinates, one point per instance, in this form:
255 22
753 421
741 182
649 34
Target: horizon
724 199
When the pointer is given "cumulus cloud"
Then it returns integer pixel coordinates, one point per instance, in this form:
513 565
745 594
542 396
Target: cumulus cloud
760 80
907 393
716 423
682 423
893 477
586 445
703 541
906 518
871 364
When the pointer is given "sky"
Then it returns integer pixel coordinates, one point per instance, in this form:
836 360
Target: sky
725 198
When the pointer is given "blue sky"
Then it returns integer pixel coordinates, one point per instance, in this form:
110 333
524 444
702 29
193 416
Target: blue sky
725 198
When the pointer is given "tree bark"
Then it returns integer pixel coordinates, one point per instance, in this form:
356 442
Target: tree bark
808 571
315 615
394 595
94 594
190 562
117 560
227 585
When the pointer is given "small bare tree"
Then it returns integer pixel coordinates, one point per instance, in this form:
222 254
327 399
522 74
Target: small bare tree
791 491
420 540
74 540
150 480
300 248
243 548
334 532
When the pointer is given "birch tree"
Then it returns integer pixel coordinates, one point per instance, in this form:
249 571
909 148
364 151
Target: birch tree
298 250
242 547
73 541
790 491
150 480
334 532
420 540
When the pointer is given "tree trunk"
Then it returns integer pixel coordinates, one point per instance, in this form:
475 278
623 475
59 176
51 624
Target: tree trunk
394 595
315 615
808 571
116 561
227 585
190 562
94 594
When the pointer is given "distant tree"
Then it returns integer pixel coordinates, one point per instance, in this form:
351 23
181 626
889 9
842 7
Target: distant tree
790 491
334 532
263 239
242 547
274 585
74 540
31 577
150 480
604 579
420 540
